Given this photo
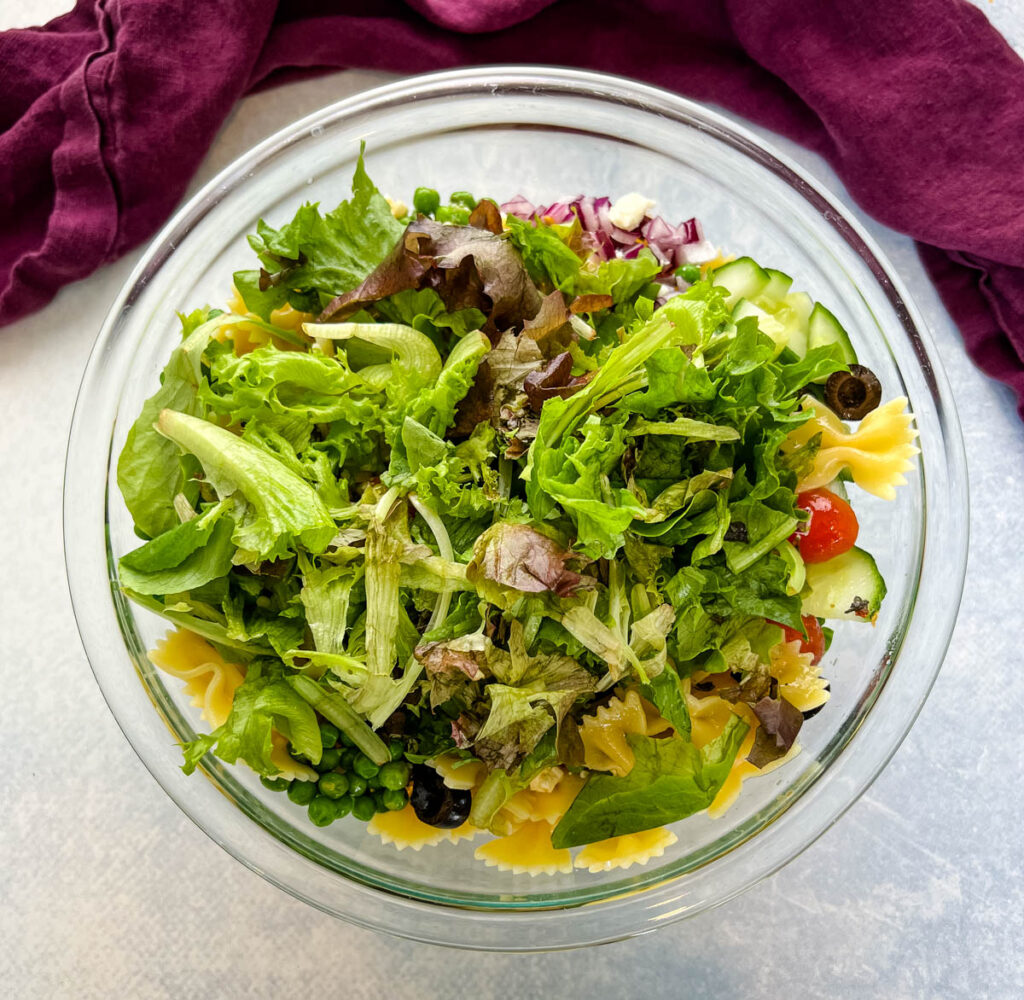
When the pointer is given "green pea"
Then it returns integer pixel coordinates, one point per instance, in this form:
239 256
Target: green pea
426 200
463 198
274 784
394 775
364 767
373 784
322 811
343 806
345 741
329 760
688 272
397 748
452 213
302 792
348 758
356 785
394 799
328 734
364 808
333 785
378 801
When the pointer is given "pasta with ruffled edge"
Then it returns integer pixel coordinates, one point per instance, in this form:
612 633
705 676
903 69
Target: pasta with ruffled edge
625 851
402 829
528 851
246 337
211 682
877 453
800 681
604 733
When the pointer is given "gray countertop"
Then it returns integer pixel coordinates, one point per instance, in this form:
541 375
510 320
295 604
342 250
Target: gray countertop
109 890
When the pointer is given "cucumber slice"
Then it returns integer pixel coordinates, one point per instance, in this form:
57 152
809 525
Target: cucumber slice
823 328
766 322
848 588
776 290
742 279
794 312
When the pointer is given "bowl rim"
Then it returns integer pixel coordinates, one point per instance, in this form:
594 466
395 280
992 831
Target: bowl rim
661 903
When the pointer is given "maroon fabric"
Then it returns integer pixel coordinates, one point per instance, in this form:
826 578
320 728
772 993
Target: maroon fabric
106 112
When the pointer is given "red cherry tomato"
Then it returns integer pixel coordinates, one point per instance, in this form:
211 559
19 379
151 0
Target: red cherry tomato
831 530
815 641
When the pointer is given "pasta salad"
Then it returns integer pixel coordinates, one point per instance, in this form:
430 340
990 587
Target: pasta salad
507 520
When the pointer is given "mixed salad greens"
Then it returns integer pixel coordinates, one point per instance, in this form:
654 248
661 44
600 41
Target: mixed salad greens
511 462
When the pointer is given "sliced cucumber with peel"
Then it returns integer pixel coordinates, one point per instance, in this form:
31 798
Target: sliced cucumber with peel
786 323
846 588
792 319
776 290
766 322
795 311
824 329
742 279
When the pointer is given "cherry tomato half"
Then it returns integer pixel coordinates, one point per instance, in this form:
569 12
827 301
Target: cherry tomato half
815 641
831 530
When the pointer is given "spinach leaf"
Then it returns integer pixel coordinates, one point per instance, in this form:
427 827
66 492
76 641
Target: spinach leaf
183 558
666 695
670 780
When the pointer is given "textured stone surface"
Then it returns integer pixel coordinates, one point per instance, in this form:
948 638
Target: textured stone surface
109 891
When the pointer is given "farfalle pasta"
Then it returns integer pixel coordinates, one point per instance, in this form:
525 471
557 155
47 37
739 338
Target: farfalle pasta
625 851
800 680
211 682
605 747
209 679
876 454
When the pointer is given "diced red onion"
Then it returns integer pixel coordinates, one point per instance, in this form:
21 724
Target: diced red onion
519 207
672 246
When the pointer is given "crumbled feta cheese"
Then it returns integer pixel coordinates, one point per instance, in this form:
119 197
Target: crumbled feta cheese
629 210
399 209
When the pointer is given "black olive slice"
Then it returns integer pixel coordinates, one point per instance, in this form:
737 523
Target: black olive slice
435 803
853 394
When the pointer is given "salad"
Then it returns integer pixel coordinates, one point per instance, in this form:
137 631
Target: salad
526 521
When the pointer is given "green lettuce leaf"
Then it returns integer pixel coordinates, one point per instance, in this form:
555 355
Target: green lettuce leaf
260 706
149 468
326 593
423 310
576 475
672 379
385 541
670 780
549 259
665 694
328 254
618 277
279 510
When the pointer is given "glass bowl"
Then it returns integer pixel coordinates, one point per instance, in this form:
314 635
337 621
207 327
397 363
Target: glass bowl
543 133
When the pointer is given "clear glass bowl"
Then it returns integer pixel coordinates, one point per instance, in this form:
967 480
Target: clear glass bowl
544 134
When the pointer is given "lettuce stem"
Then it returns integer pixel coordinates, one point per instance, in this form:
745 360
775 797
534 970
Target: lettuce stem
336 709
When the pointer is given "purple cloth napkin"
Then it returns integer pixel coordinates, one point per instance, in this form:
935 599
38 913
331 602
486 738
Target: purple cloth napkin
106 112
